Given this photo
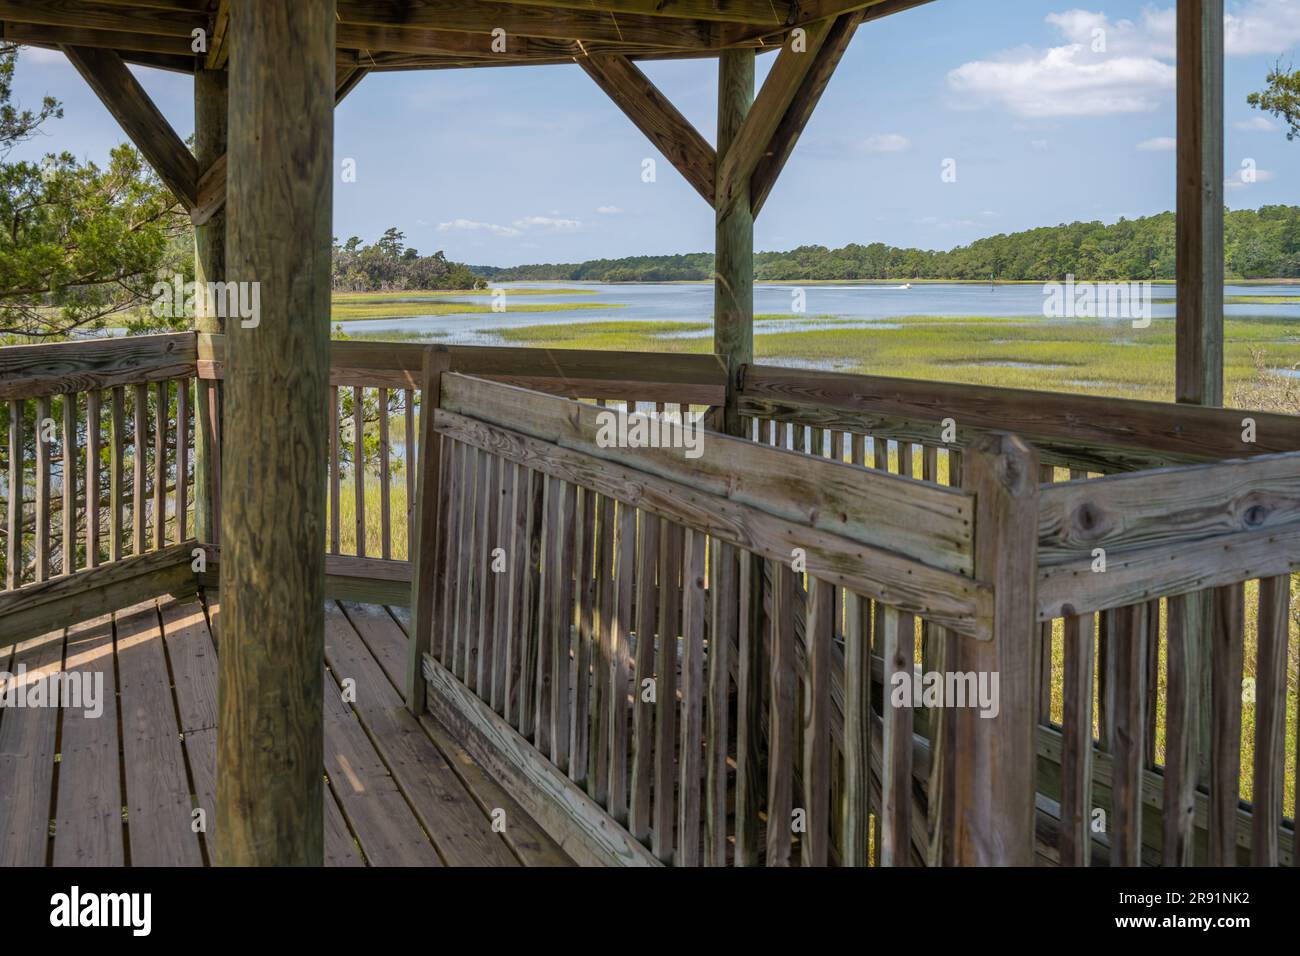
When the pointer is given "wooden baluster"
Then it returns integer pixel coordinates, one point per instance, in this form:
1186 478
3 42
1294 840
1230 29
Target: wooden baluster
1047 475
643 713
117 474
1076 743
724 625
1270 719
42 527
530 614
819 634
14 550
1127 662
69 542
448 539
359 466
459 579
854 831
602 663
1225 722
485 624
620 660
561 582
1182 727
182 459
897 648
335 519
579 728
408 399
670 610
92 478
139 519
691 757
782 716
507 539
751 780
161 409
385 478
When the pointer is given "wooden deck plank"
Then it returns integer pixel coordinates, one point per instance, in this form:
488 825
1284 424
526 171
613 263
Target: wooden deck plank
376 812
386 642
459 828
88 814
528 840
194 664
27 741
340 847
157 790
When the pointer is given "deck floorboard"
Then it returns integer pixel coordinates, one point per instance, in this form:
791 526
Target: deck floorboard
397 794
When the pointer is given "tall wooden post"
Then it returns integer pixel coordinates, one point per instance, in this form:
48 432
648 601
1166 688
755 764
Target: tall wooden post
1200 202
1199 249
210 139
270 757
992 757
733 269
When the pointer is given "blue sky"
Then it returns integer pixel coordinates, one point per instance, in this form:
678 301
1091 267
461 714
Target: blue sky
516 165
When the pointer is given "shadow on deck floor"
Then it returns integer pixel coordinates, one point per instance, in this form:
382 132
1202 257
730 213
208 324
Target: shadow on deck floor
123 788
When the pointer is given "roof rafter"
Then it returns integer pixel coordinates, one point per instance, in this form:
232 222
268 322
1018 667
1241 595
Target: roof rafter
652 112
124 97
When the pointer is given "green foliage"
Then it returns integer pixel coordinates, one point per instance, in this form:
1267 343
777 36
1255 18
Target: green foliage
390 264
1281 98
1262 243
78 244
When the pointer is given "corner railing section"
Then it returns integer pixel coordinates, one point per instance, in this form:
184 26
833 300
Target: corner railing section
1164 597
594 620
97 476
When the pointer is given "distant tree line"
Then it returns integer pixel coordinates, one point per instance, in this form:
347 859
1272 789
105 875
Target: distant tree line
1263 243
389 264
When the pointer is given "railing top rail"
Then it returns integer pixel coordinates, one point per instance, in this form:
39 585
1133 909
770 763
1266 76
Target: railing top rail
32 371
914 541
574 373
1112 433
1166 532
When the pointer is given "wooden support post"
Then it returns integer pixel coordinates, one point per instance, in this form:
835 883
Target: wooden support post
270 734
210 137
1200 203
993 756
427 541
733 270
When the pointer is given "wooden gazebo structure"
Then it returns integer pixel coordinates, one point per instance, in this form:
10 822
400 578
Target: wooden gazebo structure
959 562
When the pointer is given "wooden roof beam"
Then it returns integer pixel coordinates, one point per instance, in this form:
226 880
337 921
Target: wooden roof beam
800 110
100 15
767 13
37 34
779 90
670 131
218 48
538 21
143 122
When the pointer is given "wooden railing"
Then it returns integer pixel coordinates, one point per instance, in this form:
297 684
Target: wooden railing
594 616
97 475
1198 568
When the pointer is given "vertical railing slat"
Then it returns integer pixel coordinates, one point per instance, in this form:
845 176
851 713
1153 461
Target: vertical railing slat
335 452
138 469
643 714
724 624
182 459
819 633
690 755
1076 743
1127 680
162 402
359 466
92 478
1225 722
68 544
14 547
670 608
1182 727
782 717
1270 718
897 649
385 503
117 474
42 526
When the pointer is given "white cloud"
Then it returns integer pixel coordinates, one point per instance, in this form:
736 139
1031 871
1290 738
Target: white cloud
1256 124
1039 145
886 143
608 210
1262 27
1157 144
471 225
548 222
37 55
1241 179
1106 66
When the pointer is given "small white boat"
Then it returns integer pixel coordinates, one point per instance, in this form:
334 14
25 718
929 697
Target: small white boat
907 285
